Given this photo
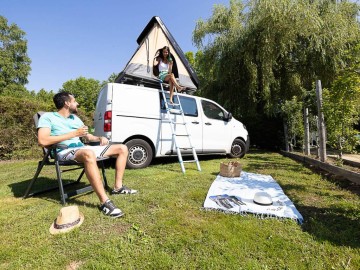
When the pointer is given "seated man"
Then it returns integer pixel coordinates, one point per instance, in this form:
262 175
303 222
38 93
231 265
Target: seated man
65 127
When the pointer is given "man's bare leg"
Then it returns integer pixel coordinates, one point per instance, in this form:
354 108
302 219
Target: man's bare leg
88 158
120 151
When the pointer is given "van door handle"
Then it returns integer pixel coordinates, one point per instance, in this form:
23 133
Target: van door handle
195 122
208 124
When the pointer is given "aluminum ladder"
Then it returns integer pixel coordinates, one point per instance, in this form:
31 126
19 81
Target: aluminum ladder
173 123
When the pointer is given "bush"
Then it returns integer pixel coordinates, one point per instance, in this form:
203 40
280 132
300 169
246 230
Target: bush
17 129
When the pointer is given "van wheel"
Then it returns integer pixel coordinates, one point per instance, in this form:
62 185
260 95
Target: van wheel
237 149
140 154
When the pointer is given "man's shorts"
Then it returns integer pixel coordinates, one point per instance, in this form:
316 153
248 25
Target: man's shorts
69 154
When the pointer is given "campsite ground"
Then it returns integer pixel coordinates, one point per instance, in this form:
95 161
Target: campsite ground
165 228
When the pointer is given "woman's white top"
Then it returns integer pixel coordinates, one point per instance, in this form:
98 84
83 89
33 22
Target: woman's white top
163 66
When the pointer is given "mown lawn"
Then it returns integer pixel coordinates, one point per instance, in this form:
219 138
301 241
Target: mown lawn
165 228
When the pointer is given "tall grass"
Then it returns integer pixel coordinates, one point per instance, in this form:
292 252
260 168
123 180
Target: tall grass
165 228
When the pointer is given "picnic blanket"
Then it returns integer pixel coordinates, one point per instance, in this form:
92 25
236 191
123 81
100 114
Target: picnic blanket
235 195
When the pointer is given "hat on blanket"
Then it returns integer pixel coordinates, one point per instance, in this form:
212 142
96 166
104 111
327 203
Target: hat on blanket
262 198
68 219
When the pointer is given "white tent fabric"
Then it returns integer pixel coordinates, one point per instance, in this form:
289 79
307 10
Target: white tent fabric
154 37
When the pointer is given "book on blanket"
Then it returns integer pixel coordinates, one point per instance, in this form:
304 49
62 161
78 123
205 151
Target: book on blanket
236 195
226 201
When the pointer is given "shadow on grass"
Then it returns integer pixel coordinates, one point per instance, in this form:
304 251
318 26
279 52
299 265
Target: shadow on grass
333 225
43 183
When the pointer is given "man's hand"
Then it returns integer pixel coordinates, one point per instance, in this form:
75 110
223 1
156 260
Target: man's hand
103 141
82 131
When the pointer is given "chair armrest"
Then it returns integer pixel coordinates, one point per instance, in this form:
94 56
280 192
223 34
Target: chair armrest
93 143
57 146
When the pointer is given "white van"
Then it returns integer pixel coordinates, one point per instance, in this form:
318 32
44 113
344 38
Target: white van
136 116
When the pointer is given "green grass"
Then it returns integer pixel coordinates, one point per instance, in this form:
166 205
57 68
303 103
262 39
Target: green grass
165 228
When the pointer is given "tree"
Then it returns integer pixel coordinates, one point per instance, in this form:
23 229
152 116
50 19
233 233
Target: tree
85 91
292 116
342 105
45 96
111 79
260 54
14 62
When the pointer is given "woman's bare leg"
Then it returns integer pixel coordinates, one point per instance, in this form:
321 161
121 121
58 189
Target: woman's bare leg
173 83
171 91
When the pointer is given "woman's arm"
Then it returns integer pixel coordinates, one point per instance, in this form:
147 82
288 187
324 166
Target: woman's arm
170 67
156 61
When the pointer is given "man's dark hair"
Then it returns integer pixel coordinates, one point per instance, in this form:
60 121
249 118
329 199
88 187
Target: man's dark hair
60 98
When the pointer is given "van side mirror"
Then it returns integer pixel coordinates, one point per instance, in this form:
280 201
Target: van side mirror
228 116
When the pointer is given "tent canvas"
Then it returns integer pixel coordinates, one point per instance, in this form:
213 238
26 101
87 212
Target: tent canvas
140 67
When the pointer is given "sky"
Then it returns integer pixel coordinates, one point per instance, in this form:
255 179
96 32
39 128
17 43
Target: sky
67 39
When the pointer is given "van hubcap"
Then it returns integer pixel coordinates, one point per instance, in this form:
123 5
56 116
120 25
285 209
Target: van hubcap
137 155
236 149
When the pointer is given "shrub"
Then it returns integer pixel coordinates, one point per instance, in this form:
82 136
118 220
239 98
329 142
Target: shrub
17 129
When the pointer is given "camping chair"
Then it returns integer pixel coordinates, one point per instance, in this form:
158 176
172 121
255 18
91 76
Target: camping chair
51 158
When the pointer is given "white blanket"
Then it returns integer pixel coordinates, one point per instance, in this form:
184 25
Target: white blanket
235 195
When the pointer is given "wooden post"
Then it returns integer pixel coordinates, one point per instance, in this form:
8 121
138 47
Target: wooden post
307 132
321 129
286 137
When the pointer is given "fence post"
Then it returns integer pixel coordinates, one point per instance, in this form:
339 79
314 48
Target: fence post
321 129
307 132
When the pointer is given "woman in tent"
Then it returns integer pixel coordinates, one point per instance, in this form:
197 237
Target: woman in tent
165 63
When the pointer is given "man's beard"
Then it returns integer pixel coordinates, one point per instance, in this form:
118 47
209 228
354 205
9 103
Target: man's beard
73 110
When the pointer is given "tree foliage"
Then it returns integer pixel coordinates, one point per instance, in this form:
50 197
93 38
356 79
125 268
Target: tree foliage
342 105
85 91
293 119
259 54
14 61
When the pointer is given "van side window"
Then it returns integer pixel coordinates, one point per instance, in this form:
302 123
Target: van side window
188 104
212 111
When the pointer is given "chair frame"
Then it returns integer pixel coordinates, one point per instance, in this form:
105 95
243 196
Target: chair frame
51 158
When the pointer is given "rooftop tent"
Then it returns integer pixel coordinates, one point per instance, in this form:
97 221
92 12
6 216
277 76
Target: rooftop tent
140 67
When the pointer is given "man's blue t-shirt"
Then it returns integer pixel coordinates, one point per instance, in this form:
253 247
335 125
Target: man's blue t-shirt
60 125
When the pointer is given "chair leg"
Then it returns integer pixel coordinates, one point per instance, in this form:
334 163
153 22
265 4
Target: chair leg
39 168
80 176
61 187
106 186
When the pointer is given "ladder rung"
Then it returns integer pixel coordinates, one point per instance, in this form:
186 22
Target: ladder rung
190 161
186 148
175 111
182 135
172 122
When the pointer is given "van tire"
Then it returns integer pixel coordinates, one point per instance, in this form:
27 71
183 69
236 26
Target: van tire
238 149
140 154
